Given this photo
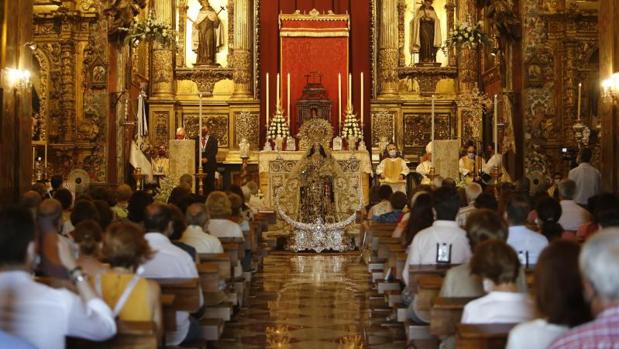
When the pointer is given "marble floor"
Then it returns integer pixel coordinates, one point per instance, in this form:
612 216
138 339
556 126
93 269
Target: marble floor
304 301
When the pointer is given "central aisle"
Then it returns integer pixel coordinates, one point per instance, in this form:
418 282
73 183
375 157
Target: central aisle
304 301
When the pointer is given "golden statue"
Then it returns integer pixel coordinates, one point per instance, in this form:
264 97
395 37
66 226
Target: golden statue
207 35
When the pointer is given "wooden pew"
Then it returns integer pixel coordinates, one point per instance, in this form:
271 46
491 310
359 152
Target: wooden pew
446 314
428 288
209 276
130 335
425 269
482 336
223 262
168 312
186 292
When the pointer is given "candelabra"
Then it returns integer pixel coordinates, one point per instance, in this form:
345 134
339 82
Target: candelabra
200 176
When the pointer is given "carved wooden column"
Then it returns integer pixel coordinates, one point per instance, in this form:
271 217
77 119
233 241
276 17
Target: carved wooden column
450 8
388 49
67 58
609 64
242 54
163 57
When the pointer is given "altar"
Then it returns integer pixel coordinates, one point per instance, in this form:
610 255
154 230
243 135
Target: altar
275 167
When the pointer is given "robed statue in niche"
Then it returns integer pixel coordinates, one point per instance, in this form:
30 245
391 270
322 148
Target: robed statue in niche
426 34
207 35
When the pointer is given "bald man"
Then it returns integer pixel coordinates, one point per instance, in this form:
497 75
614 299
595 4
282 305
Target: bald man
195 234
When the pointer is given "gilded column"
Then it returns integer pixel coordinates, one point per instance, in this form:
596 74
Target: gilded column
450 8
388 49
467 58
163 57
242 51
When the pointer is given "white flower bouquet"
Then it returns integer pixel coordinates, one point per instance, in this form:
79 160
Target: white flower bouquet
150 30
468 36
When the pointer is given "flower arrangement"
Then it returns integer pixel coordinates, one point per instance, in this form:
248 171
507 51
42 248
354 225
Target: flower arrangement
468 36
351 126
278 127
149 30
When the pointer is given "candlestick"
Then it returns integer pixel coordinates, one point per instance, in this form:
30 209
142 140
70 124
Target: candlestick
432 132
277 101
200 123
349 105
34 156
361 106
288 100
495 133
579 99
45 155
339 100
266 104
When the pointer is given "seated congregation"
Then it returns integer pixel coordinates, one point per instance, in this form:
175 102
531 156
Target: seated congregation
117 266
495 267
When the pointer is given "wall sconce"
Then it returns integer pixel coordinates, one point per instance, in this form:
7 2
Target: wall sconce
610 88
16 78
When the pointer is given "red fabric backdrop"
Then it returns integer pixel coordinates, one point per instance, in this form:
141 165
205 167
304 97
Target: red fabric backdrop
327 56
358 59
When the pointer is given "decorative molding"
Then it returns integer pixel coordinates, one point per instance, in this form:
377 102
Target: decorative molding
383 125
205 77
427 77
418 129
247 125
217 124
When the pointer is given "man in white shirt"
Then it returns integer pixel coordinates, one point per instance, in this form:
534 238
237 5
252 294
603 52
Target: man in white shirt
443 239
41 315
195 236
586 177
472 191
527 243
572 214
169 261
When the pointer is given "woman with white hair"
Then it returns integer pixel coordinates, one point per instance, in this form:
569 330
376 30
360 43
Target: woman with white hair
219 209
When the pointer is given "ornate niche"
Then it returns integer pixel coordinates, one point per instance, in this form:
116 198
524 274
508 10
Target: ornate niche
205 76
217 124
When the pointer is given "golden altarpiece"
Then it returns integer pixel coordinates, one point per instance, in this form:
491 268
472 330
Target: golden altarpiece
88 78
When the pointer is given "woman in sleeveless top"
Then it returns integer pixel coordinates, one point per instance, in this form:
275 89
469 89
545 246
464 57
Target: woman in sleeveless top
87 236
130 296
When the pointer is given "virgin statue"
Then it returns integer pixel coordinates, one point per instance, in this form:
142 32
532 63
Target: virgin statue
426 33
317 199
206 36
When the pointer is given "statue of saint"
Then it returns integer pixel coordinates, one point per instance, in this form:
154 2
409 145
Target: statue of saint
244 148
317 173
426 33
206 36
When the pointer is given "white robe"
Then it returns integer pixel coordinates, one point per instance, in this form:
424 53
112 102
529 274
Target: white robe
415 41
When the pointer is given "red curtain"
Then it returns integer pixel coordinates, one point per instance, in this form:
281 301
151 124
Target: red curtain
358 57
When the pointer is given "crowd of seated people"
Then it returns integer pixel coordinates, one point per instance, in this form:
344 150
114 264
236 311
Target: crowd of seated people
104 252
491 237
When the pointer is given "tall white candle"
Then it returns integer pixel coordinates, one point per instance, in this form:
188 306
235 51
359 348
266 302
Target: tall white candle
266 104
34 156
339 100
277 101
350 90
288 98
432 131
495 133
200 122
579 99
45 155
361 101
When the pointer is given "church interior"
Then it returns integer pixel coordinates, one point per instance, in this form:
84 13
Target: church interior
309 173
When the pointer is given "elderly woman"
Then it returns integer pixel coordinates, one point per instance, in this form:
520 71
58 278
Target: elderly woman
558 298
497 264
219 208
130 296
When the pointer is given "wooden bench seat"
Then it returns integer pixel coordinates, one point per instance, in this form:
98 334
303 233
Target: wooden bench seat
482 336
446 314
130 335
223 262
186 292
209 276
